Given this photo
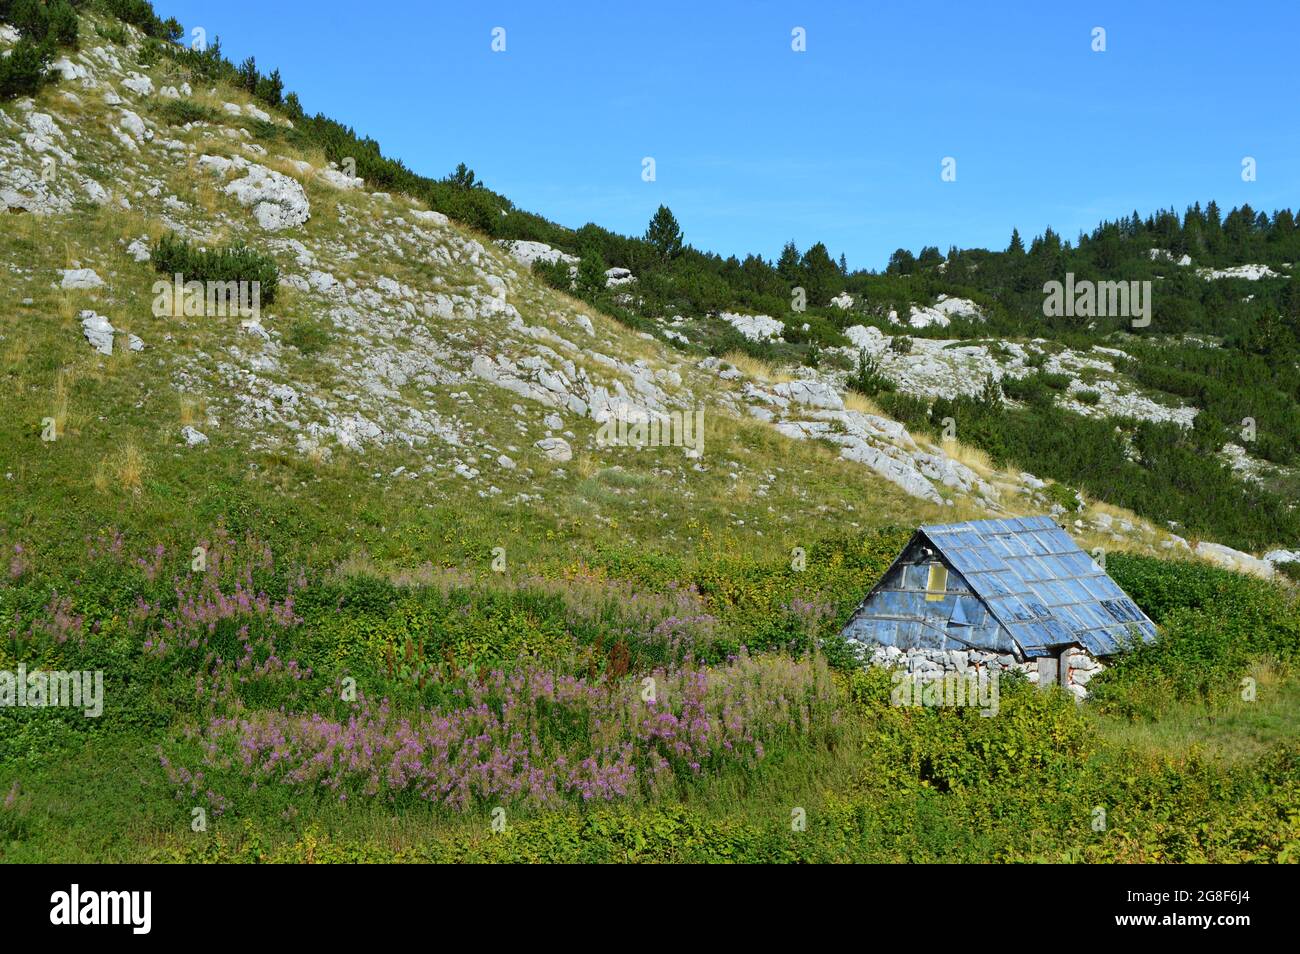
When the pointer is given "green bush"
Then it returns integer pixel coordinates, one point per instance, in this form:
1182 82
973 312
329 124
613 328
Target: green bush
1214 624
1091 398
868 378
591 274
235 263
909 409
1065 496
23 71
556 273
1030 389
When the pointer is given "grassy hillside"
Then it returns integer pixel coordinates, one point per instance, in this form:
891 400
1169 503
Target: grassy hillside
376 614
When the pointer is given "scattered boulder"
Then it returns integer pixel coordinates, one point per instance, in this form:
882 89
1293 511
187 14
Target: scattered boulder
1251 273
81 278
1275 558
525 253
340 180
556 449
139 250
139 83
278 202
618 276
193 437
754 327
70 71
430 216
98 331
135 127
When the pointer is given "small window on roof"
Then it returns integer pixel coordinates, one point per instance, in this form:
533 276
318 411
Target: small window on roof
937 585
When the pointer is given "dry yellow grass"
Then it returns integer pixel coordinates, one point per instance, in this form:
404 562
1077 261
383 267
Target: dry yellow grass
67 308
192 410
207 197
62 388
860 402
972 457
16 351
128 467
755 367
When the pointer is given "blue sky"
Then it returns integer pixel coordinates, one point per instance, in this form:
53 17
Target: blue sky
756 144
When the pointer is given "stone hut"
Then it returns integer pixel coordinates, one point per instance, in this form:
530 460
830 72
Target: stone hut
993 595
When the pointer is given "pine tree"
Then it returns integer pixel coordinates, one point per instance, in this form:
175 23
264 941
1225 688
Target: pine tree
248 75
1017 246
463 178
820 277
788 265
664 234
902 262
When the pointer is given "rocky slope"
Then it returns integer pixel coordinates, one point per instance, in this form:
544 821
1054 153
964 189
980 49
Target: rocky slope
435 353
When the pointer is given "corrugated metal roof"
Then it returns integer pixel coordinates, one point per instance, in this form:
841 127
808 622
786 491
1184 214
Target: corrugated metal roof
1040 586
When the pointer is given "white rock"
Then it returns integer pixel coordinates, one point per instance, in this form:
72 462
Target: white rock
525 253
94 191
942 312
754 327
278 202
340 180
135 126
556 449
139 83
430 216
69 70
81 278
1251 273
98 332
1163 255
193 437
1234 559
810 394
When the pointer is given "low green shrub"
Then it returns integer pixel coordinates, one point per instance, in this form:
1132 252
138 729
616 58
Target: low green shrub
233 263
23 71
868 378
